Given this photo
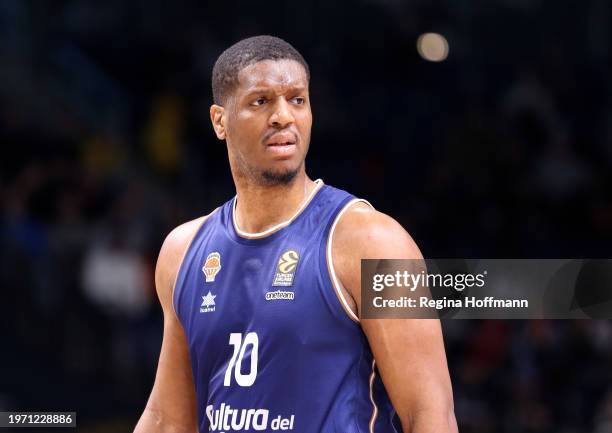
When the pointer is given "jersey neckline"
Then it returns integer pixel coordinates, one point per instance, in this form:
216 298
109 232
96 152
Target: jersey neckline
274 229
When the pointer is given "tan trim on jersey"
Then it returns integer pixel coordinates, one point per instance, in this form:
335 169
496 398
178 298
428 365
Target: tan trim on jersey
178 270
268 232
374 407
330 262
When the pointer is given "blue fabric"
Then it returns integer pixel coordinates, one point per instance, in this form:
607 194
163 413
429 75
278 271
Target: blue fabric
313 362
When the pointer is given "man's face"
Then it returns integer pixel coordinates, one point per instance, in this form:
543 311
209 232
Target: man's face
267 122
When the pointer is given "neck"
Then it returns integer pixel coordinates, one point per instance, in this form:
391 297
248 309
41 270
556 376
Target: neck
259 207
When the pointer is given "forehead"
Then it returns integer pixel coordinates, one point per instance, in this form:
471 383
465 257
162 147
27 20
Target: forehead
272 74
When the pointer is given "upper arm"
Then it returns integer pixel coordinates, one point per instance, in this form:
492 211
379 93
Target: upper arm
172 403
409 353
364 233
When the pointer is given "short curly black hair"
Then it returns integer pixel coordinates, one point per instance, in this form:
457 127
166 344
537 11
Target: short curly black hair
245 53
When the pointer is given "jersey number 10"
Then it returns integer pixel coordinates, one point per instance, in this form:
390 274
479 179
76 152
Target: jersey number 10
235 363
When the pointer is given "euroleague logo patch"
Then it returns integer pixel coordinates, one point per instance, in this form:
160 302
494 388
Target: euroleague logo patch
212 266
285 269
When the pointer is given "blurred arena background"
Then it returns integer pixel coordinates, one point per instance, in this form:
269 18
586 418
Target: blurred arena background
490 138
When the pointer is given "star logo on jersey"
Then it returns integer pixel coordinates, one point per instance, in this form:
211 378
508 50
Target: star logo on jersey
285 269
208 303
212 266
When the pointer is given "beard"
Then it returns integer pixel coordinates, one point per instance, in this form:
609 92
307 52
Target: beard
260 175
272 178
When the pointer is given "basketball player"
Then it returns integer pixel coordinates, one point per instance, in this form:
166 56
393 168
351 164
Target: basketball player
261 297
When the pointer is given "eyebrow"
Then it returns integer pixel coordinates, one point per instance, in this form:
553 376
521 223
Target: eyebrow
260 90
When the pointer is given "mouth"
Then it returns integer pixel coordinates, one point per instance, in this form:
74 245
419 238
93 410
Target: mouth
282 145
282 139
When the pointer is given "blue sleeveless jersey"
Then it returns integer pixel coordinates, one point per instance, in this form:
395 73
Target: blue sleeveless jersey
271 346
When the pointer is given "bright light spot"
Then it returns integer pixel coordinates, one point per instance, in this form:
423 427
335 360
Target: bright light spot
432 47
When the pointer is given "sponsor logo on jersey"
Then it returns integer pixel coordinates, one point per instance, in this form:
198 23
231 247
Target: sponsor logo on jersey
212 266
279 294
208 303
285 269
226 419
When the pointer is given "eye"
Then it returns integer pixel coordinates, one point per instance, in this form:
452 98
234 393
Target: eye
299 100
259 101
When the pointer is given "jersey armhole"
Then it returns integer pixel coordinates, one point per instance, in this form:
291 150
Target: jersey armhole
337 285
180 267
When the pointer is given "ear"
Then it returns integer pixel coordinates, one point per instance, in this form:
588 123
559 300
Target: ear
217 117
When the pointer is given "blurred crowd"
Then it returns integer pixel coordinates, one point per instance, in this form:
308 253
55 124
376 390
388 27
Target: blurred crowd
502 150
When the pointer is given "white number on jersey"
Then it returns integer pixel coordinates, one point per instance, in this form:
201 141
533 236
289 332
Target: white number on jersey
236 360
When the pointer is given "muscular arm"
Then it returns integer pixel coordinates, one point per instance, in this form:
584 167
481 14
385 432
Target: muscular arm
409 353
171 407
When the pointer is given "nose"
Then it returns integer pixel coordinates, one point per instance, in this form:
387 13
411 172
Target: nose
282 116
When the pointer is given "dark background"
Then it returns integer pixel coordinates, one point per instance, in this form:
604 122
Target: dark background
502 150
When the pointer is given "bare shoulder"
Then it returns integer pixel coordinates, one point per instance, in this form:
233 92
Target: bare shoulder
367 233
362 232
170 257
172 403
